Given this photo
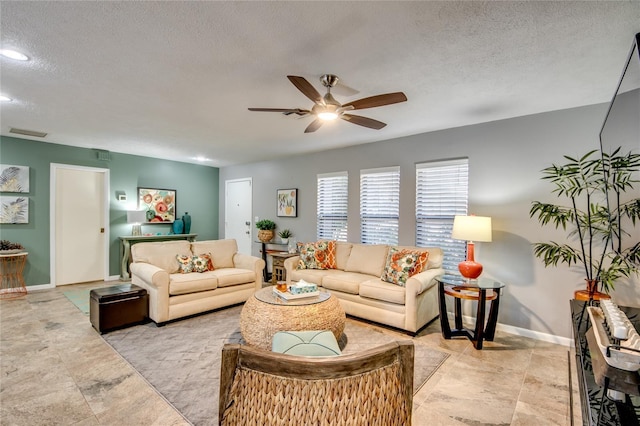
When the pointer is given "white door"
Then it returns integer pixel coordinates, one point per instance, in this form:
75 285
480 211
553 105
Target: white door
237 213
79 234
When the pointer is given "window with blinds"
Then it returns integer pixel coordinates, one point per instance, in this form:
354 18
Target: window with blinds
379 205
333 194
441 193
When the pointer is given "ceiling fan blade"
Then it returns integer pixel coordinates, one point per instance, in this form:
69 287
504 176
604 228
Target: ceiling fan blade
363 121
306 88
315 125
285 111
378 100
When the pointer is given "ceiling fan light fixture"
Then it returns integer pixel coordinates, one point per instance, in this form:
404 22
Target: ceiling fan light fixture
8 53
328 115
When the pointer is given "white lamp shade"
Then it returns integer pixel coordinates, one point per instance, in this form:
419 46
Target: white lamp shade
471 228
136 216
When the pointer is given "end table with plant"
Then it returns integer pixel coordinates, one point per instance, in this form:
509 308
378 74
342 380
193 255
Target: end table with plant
597 229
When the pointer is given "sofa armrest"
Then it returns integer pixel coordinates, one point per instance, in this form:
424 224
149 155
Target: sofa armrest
418 283
156 282
150 275
252 263
290 264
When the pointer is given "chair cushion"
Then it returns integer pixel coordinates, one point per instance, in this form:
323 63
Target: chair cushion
305 343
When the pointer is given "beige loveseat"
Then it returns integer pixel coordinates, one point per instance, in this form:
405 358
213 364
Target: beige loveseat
357 284
172 294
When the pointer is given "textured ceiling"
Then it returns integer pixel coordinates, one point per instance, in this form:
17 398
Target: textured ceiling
174 79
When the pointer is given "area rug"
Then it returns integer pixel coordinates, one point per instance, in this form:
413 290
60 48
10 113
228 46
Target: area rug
182 359
79 297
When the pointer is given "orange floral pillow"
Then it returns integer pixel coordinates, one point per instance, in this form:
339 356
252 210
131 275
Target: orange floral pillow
202 263
318 255
403 264
185 265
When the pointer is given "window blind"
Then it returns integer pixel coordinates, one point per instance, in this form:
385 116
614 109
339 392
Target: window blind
442 189
333 195
379 205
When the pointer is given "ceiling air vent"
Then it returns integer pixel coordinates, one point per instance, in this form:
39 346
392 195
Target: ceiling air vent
27 132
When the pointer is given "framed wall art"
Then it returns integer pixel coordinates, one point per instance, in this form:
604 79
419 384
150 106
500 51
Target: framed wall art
159 204
288 202
14 209
14 178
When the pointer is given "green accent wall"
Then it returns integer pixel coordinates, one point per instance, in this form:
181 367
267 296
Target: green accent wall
197 192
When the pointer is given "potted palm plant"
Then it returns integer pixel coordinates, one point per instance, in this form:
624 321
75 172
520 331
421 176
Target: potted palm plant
266 227
284 235
596 227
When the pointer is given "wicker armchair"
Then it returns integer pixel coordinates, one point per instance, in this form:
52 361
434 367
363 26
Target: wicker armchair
374 387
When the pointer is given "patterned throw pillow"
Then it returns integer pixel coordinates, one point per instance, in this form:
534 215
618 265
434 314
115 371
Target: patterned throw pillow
402 264
185 264
318 255
202 263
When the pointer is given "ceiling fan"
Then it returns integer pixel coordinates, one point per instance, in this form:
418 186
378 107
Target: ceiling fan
328 108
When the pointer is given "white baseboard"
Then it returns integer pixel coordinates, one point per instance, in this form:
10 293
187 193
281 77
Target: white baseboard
31 288
537 335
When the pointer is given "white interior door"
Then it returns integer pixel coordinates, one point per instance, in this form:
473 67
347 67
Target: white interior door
237 213
79 240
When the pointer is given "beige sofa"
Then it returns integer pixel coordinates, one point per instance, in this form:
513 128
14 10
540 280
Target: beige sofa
357 284
174 295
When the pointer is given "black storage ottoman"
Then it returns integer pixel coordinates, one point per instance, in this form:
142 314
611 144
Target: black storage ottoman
119 306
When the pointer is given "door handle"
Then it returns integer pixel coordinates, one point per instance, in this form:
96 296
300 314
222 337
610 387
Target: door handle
247 223
102 230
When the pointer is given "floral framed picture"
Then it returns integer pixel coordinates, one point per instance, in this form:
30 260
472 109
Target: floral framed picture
159 204
287 202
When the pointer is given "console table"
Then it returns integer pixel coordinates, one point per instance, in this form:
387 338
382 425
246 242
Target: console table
129 240
596 409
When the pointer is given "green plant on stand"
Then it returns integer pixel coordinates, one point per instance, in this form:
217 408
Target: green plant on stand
595 226
284 235
266 227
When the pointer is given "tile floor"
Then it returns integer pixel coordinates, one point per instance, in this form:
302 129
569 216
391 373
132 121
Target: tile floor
55 369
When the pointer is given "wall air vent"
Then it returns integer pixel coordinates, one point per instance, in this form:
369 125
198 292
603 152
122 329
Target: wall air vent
27 132
103 155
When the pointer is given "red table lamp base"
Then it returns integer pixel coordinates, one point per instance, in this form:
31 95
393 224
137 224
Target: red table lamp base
470 268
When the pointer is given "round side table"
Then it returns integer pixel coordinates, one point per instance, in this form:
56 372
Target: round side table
11 279
265 313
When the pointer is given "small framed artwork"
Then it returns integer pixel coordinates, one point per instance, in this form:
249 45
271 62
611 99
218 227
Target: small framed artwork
14 178
14 209
159 204
288 202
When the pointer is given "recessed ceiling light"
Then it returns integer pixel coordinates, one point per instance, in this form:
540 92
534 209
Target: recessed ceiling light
13 55
202 159
5 98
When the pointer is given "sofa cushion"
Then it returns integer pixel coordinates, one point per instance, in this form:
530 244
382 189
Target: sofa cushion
343 250
222 251
310 275
233 276
367 259
383 291
202 263
185 264
402 264
346 282
192 283
161 254
318 255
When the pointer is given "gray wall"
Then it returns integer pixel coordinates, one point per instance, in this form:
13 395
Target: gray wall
505 159
196 192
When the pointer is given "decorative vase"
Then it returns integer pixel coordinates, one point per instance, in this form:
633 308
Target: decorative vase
591 293
178 226
292 246
265 235
186 218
